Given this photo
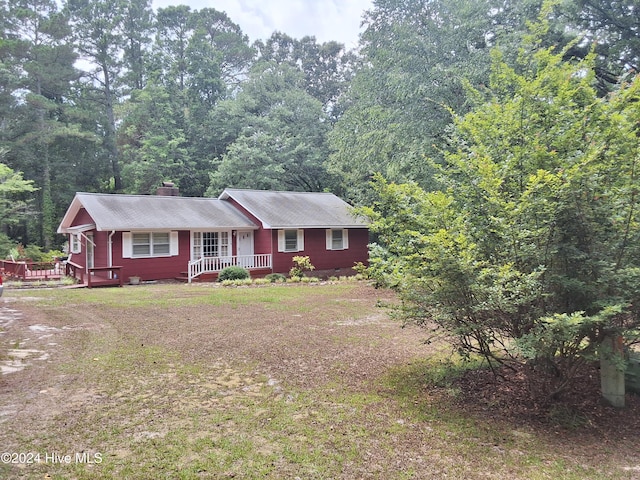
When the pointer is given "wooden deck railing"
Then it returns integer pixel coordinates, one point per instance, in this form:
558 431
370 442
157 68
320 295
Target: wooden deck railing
32 271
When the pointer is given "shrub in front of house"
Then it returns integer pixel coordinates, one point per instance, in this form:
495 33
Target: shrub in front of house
233 273
300 265
276 277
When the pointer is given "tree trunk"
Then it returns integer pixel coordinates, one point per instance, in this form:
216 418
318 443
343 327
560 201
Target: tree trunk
110 139
612 370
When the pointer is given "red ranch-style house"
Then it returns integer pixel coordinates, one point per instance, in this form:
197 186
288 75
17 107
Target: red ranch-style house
153 237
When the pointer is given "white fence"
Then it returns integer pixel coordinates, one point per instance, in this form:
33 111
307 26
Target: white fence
216 264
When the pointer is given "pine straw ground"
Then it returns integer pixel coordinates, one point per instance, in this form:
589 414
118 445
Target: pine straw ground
507 396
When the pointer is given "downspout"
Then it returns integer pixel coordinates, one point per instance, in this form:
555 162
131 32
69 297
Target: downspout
110 252
273 260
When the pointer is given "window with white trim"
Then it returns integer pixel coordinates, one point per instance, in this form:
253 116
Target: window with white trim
75 243
210 244
152 244
291 240
149 244
337 239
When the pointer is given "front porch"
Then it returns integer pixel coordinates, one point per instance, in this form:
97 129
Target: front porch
210 265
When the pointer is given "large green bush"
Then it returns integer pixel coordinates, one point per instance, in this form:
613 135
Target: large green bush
233 273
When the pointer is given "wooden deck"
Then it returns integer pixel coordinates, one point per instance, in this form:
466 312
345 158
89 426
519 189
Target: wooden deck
97 276
44 272
32 271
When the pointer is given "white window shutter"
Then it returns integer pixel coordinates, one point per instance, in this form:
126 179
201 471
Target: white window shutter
345 238
173 244
329 237
281 240
127 245
300 240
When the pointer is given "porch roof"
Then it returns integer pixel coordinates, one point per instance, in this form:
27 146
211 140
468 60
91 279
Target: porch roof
154 212
296 209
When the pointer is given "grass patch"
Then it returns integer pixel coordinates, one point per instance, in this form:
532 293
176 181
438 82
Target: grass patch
426 390
162 295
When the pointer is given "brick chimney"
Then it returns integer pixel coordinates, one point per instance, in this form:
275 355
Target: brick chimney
168 189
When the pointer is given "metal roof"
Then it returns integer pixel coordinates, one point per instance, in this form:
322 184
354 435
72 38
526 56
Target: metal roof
296 209
154 212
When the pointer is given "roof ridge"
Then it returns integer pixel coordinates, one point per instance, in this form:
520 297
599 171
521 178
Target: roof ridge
96 194
276 191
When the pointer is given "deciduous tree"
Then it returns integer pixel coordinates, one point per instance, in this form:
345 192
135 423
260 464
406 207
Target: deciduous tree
528 251
281 134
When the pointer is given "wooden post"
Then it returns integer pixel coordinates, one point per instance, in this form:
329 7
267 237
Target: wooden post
612 370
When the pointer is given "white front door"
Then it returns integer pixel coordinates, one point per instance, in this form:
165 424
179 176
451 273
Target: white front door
245 248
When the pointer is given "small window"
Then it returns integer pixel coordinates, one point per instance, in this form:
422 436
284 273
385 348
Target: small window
76 245
160 244
290 240
141 244
337 239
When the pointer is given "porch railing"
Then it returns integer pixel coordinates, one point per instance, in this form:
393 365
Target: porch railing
32 270
217 264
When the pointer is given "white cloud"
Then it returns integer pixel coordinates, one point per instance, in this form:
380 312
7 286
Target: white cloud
326 20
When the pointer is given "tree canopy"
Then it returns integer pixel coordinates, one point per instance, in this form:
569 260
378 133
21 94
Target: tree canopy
527 250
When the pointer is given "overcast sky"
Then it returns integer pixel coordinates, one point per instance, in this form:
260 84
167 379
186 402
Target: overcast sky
325 19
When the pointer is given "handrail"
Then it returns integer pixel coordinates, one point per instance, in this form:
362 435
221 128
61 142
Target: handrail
75 271
216 264
78 271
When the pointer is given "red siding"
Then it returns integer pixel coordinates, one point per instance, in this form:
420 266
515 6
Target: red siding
156 268
262 242
82 218
315 247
